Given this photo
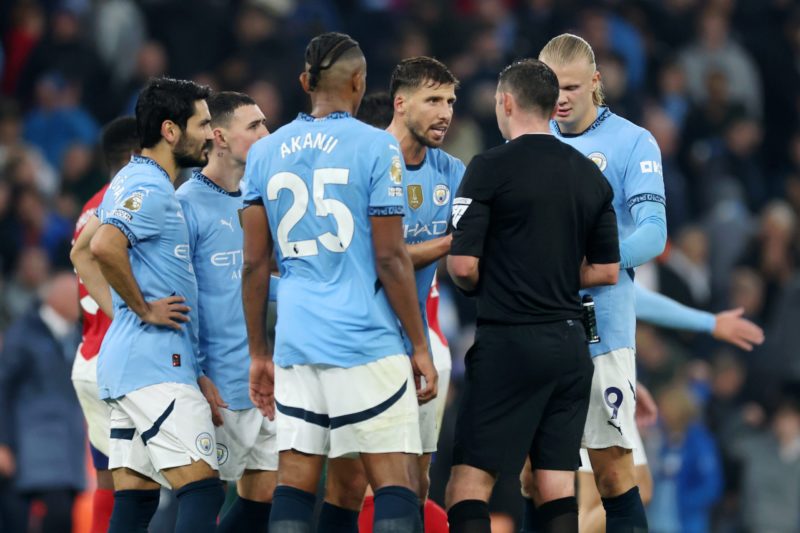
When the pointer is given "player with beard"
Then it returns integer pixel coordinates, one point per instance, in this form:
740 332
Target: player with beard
161 429
422 91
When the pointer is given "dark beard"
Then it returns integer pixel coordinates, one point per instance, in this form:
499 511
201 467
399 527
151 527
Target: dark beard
421 139
184 159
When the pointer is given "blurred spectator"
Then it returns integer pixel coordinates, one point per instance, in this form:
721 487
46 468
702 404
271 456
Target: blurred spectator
685 275
80 177
740 160
772 251
119 32
151 62
14 148
687 477
66 51
22 291
770 460
41 426
672 92
658 361
26 29
40 226
716 49
57 121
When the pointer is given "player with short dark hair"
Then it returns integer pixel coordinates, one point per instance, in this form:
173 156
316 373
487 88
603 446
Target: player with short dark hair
327 189
422 108
533 223
118 142
376 109
211 200
161 429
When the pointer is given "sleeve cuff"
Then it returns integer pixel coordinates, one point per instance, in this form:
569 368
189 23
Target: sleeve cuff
386 211
132 239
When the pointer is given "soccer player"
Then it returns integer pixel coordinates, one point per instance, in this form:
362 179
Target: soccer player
727 326
161 429
211 202
327 189
422 90
631 161
119 141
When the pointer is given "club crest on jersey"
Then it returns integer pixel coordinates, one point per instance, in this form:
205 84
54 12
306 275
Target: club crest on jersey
133 202
441 194
222 454
414 194
204 443
396 170
599 159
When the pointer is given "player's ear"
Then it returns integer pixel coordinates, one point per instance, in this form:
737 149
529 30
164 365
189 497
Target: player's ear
359 81
219 137
399 104
170 131
304 82
508 103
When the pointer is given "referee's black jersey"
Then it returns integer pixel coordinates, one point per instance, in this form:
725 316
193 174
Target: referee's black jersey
531 210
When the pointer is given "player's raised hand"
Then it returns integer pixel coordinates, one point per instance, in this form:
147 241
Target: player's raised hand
423 367
213 398
731 327
170 312
262 385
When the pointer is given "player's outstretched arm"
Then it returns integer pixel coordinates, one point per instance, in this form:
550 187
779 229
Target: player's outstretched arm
255 291
89 270
728 326
396 274
424 253
110 248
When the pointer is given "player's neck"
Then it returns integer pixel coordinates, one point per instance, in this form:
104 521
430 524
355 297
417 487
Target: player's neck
581 125
162 154
526 125
224 171
413 151
323 104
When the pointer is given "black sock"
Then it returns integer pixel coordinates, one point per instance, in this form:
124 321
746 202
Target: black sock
625 513
199 503
133 510
422 516
396 511
245 515
335 519
559 516
469 516
292 510
530 518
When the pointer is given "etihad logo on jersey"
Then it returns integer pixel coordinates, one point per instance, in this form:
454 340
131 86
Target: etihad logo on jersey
232 258
414 196
599 159
320 141
420 231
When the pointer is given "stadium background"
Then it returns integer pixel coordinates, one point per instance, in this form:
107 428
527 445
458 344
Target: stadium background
716 82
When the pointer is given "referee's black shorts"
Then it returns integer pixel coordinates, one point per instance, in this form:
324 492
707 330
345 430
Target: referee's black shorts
527 392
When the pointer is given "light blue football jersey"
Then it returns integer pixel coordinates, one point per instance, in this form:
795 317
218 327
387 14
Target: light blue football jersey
141 202
630 159
429 189
320 181
215 240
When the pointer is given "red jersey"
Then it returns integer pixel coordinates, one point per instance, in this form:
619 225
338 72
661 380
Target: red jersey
95 322
432 306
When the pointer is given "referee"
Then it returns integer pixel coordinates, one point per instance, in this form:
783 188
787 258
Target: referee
533 223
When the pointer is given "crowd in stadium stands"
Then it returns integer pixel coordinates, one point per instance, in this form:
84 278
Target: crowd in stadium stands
715 81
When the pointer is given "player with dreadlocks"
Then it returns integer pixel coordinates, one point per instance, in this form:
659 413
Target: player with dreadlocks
327 189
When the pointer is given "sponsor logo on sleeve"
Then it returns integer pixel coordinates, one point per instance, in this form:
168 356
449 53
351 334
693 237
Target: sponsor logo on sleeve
460 206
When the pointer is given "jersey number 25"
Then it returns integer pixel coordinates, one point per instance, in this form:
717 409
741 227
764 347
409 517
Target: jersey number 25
322 207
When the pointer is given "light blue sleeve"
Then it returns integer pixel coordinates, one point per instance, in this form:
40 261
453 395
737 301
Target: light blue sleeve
140 214
273 288
657 309
386 180
644 197
648 239
251 192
